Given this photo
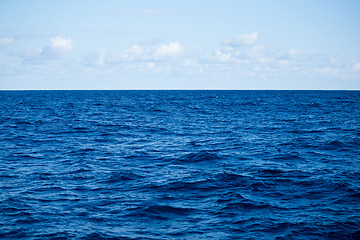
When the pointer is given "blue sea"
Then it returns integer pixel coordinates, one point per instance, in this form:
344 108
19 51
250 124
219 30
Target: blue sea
180 165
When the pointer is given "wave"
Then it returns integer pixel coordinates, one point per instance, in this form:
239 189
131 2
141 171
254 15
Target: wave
120 176
159 212
103 236
197 157
19 233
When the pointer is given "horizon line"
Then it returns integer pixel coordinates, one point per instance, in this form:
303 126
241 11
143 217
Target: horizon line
190 89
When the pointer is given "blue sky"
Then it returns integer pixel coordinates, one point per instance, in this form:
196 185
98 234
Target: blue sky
239 44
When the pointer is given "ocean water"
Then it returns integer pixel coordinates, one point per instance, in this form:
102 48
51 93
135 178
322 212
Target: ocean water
180 165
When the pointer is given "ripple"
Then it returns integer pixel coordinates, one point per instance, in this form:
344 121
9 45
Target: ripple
120 176
199 157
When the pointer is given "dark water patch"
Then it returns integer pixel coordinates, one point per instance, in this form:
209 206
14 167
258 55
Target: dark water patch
120 176
80 170
333 145
14 234
198 157
57 236
167 210
271 172
159 212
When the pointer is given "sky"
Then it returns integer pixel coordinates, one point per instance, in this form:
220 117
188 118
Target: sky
223 44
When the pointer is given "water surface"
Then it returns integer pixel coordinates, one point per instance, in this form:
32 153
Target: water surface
180 164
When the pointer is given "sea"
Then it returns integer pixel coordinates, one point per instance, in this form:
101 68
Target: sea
180 164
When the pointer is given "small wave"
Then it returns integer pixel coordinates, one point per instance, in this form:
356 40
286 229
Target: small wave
26 156
203 186
7 176
354 142
28 220
14 212
83 151
333 145
199 157
229 197
247 205
80 128
272 172
21 122
159 212
306 131
15 234
101 236
57 236
120 176
80 170
293 156
166 209
355 194
48 189
228 179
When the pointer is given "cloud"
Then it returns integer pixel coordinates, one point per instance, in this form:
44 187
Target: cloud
137 56
150 65
356 67
132 53
96 59
58 47
243 49
156 59
60 44
172 49
242 40
294 52
6 41
222 56
256 51
245 56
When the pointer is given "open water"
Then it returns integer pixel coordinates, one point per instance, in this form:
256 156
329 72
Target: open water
180 164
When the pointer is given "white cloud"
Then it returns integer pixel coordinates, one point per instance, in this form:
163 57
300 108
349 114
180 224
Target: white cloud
245 56
58 46
133 53
150 65
172 49
6 41
241 40
294 52
222 57
356 67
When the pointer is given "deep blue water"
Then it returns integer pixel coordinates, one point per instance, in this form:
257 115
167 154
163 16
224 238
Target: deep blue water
180 164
